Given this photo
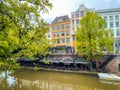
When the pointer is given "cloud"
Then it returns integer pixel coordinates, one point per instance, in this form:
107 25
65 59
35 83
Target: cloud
63 7
60 8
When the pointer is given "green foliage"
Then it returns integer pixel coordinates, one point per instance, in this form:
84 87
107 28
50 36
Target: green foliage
22 31
92 37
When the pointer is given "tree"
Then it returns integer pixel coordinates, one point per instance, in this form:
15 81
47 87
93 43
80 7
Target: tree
92 37
22 31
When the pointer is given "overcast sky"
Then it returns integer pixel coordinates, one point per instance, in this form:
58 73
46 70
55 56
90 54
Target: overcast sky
63 7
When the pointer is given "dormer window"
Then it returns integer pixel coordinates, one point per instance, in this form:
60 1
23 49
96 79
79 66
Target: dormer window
82 13
55 20
64 19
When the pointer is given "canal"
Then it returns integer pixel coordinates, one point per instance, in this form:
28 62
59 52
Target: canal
26 79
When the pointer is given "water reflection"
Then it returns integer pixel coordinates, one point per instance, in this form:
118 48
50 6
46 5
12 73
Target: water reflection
43 80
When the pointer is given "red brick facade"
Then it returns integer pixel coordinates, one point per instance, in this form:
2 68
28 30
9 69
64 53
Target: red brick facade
113 65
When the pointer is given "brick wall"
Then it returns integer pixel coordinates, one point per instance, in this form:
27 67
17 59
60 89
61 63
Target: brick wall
113 66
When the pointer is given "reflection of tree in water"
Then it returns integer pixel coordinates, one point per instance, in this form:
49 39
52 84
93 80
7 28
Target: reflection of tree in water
41 80
3 80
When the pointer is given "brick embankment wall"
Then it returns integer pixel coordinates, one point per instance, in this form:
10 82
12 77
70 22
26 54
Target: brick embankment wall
113 66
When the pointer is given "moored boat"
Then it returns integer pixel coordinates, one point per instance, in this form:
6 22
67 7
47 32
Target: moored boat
107 76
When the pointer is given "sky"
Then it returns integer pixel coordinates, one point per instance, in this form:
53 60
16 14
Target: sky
65 7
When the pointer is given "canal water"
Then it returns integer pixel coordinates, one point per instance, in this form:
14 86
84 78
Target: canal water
26 79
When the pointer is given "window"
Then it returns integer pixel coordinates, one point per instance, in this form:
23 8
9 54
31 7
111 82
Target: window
73 37
58 27
73 28
63 40
82 13
112 33
117 23
53 34
72 22
58 41
67 33
67 40
106 26
48 31
117 17
58 34
63 34
77 22
77 15
62 27
111 24
54 50
117 32
105 17
67 26
73 16
111 17
48 35
53 27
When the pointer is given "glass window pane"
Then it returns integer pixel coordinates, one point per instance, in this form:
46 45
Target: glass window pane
82 13
67 40
72 15
117 17
53 34
105 17
73 37
72 22
111 24
63 34
111 17
58 27
53 27
112 33
77 22
117 23
48 35
58 41
63 40
106 26
77 15
118 32
62 27
58 34
67 33
67 26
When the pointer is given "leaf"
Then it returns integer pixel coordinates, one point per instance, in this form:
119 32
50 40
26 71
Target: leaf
92 37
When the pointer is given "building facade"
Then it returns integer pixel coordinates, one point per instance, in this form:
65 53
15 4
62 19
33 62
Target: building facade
112 18
63 28
76 16
60 32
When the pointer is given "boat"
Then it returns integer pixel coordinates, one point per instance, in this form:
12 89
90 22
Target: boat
108 76
110 82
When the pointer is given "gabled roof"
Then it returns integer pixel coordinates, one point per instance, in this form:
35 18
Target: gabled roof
61 18
84 8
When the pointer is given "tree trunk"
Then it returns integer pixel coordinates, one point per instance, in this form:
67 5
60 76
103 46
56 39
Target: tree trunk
91 68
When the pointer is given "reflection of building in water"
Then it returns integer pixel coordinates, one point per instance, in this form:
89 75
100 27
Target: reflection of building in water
31 80
53 85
